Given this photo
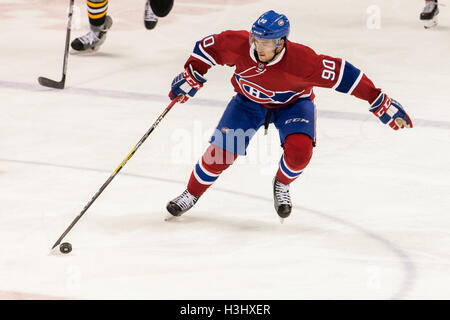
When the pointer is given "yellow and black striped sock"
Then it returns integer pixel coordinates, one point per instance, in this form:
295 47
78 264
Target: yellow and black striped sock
97 11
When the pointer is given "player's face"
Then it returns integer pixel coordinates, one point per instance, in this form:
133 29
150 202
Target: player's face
265 48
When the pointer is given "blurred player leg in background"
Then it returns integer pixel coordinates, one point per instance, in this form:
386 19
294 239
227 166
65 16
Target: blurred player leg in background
150 18
155 9
429 13
99 24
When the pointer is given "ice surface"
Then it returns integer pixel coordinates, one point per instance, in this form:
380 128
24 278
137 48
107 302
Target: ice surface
371 217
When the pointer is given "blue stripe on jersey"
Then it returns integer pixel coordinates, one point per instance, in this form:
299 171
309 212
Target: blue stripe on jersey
203 175
351 74
290 174
198 52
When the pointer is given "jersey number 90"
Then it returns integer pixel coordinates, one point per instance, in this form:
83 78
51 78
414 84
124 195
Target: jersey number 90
328 73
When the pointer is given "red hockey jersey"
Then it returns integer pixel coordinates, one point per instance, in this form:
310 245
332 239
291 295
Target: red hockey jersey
282 81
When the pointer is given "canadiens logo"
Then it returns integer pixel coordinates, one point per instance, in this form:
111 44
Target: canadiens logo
262 95
255 92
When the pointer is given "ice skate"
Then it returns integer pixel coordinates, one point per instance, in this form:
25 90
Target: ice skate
94 38
429 14
180 205
150 19
281 199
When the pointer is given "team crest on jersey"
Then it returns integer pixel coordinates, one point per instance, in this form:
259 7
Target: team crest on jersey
262 95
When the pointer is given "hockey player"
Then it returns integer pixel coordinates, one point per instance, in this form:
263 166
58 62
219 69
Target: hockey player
429 13
100 22
273 81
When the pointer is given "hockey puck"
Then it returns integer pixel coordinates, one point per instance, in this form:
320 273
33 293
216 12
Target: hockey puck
65 247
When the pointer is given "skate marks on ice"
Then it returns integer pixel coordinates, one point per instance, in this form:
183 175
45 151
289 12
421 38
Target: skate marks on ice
408 266
128 95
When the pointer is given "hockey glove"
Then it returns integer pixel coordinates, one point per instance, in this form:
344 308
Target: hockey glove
390 112
186 84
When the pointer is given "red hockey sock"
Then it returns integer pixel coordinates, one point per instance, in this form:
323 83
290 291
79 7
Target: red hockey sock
208 168
297 153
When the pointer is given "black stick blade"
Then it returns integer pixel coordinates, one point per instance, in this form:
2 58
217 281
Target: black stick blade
51 83
56 244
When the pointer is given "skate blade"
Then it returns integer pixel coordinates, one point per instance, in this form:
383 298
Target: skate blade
170 217
430 24
87 52
281 220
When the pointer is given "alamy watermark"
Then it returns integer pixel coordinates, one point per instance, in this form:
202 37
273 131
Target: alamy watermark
189 144
73 280
373 21
373 277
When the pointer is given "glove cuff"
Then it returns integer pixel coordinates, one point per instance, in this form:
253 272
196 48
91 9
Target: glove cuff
196 75
377 102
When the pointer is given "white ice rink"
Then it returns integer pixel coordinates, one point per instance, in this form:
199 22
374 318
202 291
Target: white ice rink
371 216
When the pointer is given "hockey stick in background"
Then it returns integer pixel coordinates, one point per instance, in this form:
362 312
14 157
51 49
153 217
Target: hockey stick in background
60 84
103 187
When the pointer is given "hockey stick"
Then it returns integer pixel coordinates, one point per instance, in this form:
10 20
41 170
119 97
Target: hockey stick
60 84
103 187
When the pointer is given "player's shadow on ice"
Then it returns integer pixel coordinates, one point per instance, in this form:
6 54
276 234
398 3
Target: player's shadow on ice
199 220
98 54
154 222
443 28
